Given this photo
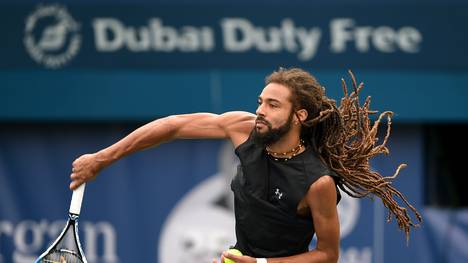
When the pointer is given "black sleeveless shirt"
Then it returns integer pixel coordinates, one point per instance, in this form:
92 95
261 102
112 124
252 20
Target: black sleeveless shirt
267 193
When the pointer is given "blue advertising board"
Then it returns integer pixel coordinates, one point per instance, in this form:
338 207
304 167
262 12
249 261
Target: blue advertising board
173 203
233 36
134 61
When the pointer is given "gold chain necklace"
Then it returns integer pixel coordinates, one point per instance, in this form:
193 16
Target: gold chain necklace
286 155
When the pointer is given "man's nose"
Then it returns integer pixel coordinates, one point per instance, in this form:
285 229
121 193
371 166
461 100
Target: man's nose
260 110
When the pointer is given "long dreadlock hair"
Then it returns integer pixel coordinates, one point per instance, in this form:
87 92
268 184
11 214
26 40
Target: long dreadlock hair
345 139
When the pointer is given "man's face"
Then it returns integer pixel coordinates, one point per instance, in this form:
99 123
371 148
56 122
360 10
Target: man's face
274 114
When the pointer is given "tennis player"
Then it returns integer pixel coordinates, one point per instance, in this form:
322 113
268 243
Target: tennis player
294 153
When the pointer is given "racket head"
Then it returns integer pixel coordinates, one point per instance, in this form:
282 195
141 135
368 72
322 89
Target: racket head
62 256
67 247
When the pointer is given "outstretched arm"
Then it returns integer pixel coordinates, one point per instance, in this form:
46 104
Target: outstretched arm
235 126
321 199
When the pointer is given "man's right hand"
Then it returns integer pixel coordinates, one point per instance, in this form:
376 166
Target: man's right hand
85 168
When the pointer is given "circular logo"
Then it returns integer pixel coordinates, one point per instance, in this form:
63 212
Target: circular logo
52 36
201 226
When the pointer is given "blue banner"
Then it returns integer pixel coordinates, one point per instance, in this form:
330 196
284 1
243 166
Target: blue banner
215 36
172 204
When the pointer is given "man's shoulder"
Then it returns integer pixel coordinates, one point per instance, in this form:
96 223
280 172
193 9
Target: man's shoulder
325 181
323 187
238 125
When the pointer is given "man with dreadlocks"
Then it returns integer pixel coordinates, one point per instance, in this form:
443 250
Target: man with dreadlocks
294 152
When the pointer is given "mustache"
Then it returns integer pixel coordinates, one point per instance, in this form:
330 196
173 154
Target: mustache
262 119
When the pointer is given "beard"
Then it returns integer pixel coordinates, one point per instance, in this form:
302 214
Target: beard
272 135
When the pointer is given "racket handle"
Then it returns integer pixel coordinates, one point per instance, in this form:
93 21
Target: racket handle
77 198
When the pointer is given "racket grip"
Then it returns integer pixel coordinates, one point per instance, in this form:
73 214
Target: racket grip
77 198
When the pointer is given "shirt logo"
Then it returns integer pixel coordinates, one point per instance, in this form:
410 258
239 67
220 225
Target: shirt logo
278 194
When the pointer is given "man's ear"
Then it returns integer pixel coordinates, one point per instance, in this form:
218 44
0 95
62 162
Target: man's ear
302 115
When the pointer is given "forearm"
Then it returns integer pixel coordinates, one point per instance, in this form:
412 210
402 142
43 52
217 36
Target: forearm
315 256
146 136
88 166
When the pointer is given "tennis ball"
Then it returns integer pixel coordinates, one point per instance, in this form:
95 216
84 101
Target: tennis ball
234 252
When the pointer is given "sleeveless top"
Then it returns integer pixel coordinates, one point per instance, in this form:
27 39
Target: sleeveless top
267 193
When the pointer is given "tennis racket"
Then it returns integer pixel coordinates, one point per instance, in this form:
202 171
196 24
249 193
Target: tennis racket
67 248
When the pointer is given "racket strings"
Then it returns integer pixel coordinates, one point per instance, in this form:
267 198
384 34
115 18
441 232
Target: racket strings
62 256
66 249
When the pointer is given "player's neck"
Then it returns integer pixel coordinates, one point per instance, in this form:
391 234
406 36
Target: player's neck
289 142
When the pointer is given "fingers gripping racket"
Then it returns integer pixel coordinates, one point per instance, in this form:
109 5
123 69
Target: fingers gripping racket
62 250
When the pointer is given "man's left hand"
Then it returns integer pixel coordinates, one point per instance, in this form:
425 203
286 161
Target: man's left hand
236 259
